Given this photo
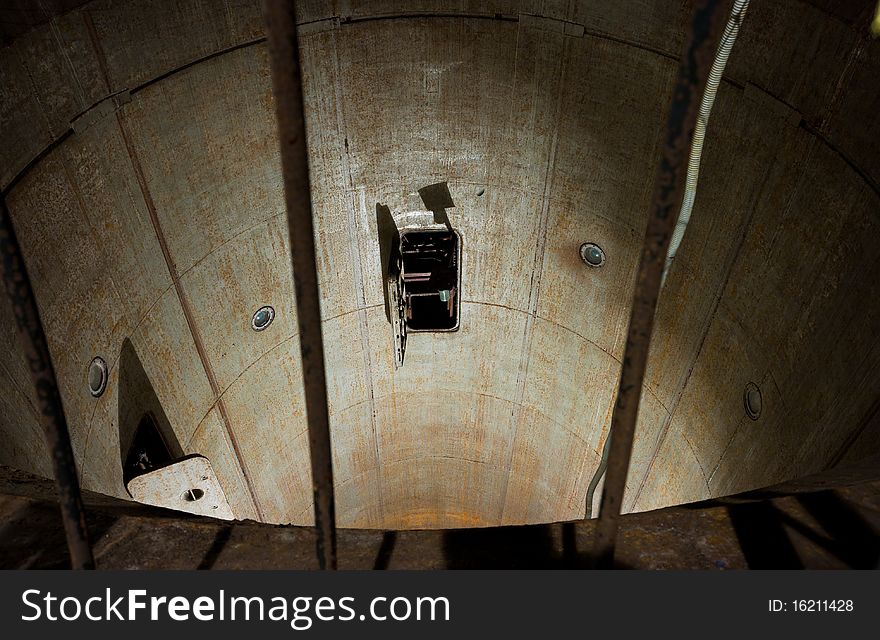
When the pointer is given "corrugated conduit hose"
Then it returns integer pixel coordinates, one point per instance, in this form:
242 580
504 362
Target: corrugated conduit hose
731 29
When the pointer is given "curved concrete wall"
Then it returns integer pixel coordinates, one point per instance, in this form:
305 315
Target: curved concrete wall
160 220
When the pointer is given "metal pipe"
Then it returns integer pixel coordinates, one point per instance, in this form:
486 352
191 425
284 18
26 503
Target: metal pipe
33 341
280 16
597 477
669 186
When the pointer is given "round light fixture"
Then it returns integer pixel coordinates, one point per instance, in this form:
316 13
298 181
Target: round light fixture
592 254
97 376
753 401
262 318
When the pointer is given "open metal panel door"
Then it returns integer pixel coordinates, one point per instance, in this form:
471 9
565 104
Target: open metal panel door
397 307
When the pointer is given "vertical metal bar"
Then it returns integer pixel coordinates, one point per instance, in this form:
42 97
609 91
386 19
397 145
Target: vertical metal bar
669 185
280 18
33 341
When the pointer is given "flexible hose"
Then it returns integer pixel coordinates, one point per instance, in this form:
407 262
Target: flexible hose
731 29
600 471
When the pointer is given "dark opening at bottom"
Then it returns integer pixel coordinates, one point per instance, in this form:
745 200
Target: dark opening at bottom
148 450
430 313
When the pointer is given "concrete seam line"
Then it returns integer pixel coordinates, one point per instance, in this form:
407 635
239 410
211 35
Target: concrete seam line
171 266
186 307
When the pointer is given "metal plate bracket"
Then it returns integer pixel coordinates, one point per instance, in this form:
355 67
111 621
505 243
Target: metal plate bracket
188 484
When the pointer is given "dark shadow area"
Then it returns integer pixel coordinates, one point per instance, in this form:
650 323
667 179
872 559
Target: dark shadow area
389 242
32 536
148 450
853 540
865 470
220 540
762 537
437 200
527 547
383 558
569 544
550 546
144 428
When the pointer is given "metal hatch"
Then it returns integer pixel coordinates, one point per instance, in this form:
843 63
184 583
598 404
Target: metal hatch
430 275
422 275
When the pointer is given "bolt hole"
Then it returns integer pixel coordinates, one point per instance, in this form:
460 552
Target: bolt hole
97 377
193 495
480 192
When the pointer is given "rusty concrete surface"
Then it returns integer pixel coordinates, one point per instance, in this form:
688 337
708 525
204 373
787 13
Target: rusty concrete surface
544 118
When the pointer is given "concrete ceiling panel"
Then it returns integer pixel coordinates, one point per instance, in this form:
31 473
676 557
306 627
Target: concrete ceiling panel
570 379
234 281
209 155
677 483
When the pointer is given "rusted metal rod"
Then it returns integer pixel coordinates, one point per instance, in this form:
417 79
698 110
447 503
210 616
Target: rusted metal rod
280 18
669 185
33 341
